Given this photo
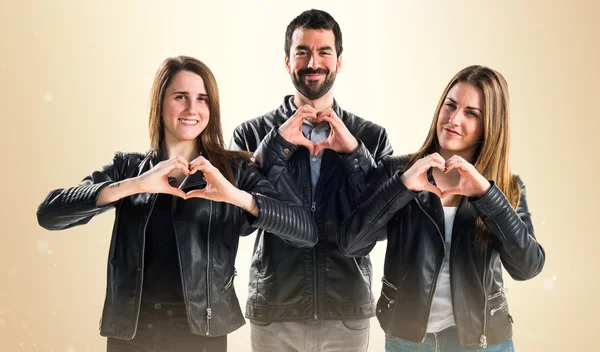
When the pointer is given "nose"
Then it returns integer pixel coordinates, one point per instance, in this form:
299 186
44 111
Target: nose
193 106
313 62
455 118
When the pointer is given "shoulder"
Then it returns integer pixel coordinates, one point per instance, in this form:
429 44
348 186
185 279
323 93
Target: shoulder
359 124
392 163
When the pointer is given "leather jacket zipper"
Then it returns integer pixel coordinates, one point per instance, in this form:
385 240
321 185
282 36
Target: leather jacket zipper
483 337
499 308
314 255
208 277
313 209
437 271
230 282
387 283
139 301
492 296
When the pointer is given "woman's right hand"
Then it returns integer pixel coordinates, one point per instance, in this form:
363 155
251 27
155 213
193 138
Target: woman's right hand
156 180
415 178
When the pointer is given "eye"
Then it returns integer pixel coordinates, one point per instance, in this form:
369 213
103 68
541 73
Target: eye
451 105
203 98
472 113
300 53
180 96
325 53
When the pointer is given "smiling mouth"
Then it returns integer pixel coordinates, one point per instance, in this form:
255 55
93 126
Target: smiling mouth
188 122
452 132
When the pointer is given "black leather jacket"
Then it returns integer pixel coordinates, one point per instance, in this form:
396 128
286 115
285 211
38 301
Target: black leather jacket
413 223
207 235
288 283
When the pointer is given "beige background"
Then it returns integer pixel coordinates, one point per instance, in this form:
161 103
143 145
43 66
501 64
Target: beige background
74 84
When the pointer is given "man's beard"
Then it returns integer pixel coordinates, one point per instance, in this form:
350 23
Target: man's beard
316 90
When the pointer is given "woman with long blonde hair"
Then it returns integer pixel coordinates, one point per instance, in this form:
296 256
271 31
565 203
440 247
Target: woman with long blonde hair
453 215
179 212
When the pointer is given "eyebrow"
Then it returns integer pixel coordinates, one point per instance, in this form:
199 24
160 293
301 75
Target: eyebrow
468 107
323 48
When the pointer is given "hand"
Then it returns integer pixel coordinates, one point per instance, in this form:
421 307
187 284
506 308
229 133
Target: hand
471 182
415 178
291 130
218 188
340 139
156 179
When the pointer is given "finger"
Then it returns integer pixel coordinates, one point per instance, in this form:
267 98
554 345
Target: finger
174 191
309 109
321 146
433 189
452 191
437 157
308 144
198 193
455 162
168 168
325 117
200 167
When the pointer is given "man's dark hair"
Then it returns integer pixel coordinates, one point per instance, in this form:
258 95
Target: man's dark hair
314 19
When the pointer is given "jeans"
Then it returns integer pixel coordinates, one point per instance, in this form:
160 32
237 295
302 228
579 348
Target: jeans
164 328
443 341
310 336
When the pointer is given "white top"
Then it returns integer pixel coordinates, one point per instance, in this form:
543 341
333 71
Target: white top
441 315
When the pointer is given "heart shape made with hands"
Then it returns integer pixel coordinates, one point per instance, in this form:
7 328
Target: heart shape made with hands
339 138
470 182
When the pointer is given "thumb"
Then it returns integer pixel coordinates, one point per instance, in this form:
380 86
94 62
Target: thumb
433 189
174 191
321 145
451 191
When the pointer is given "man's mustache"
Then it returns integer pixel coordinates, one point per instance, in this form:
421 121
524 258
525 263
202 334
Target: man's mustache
311 71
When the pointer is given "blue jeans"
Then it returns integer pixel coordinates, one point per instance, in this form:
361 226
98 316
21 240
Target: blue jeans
443 341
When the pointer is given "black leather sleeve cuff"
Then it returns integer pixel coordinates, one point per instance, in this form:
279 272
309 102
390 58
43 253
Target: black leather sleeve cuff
359 160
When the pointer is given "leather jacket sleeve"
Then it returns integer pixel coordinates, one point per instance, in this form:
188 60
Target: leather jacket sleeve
67 207
273 154
520 253
367 224
290 222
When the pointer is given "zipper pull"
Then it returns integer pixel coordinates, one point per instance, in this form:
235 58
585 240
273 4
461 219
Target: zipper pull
208 313
313 206
483 341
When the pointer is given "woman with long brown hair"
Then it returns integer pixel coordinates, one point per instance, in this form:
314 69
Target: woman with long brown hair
453 215
179 211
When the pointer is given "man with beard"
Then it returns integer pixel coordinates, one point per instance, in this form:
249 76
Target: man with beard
319 155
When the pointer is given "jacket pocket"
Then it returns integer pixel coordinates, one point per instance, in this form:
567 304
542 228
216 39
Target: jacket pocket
386 303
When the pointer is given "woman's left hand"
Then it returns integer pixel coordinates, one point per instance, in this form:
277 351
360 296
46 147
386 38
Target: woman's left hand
471 182
218 188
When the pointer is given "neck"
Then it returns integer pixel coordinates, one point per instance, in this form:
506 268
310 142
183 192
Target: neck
323 103
467 154
188 149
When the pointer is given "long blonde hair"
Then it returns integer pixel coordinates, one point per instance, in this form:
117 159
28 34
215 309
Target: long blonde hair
211 139
492 156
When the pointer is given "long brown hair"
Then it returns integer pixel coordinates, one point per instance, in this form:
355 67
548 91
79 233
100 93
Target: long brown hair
210 140
492 156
